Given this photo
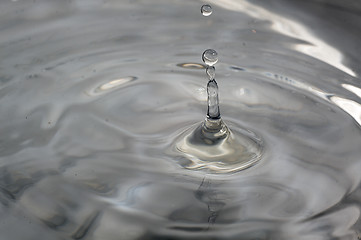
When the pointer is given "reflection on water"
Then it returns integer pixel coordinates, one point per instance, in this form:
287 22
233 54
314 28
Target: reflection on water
113 84
95 95
310 43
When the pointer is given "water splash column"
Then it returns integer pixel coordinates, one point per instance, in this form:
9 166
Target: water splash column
211 146
210 57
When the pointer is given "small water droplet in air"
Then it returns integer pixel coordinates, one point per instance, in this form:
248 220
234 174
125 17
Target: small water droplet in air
210 57
206 10
211 72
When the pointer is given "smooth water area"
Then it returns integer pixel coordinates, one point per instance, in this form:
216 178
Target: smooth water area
95 95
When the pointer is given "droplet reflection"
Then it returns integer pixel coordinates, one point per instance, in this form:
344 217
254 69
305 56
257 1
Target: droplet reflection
112 85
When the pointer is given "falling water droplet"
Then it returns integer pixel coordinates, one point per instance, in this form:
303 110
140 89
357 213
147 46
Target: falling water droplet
211 72
206 10
210 57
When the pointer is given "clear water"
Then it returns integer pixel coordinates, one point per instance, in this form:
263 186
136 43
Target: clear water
94 96
206 10
210 57
211 72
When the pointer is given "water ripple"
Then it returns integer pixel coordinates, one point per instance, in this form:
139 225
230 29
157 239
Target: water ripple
94 96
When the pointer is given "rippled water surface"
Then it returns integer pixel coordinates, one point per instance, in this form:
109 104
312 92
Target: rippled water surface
94 96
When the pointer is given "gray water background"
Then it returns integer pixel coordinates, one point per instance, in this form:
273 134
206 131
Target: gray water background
93 95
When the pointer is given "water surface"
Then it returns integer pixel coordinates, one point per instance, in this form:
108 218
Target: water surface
95 94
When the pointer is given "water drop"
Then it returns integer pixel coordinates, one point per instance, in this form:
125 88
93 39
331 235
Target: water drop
211 72
206 10
210 57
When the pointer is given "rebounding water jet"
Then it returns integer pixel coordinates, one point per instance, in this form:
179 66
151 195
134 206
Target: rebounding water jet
211 146
210 57
213 122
